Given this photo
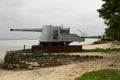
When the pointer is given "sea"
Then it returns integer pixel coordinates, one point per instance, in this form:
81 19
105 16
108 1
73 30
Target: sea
18 44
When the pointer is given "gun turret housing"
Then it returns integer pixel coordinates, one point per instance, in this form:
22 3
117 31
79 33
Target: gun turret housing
54 35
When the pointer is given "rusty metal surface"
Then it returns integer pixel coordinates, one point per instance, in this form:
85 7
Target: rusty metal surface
58 48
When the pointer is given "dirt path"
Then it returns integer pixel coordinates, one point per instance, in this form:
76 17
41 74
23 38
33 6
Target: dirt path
65 72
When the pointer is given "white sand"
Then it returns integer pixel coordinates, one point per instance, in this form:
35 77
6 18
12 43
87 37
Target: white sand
104 46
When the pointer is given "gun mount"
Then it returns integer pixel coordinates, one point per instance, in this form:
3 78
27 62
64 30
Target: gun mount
55 36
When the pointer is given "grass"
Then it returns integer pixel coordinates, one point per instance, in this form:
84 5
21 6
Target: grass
116 42
108 50
35 51
1 62
108 74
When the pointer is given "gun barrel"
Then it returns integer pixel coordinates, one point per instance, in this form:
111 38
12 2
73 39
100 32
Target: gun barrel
31 30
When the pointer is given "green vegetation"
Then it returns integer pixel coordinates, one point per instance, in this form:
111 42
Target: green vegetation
34 51
108 74
108 50
116 43
110 12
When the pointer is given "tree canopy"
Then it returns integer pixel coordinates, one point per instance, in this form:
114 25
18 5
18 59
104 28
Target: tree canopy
110 12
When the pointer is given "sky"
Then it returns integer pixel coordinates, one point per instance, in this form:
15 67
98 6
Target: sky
74 14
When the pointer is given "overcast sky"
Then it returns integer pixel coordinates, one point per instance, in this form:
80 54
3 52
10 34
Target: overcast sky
76 14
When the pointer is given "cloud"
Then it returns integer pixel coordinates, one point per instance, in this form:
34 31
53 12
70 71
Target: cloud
36 13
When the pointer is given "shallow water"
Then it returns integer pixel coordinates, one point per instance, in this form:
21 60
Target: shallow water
6 45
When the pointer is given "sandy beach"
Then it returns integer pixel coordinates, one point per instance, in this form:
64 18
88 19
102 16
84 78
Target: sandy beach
67 72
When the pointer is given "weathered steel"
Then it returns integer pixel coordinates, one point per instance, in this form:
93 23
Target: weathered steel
51 33
56 39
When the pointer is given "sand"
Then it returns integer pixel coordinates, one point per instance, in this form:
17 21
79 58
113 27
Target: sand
103 46
66 72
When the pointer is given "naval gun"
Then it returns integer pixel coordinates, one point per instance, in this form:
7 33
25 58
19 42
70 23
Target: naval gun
55 39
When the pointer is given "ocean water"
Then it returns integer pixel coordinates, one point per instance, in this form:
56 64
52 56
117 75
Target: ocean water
6 45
